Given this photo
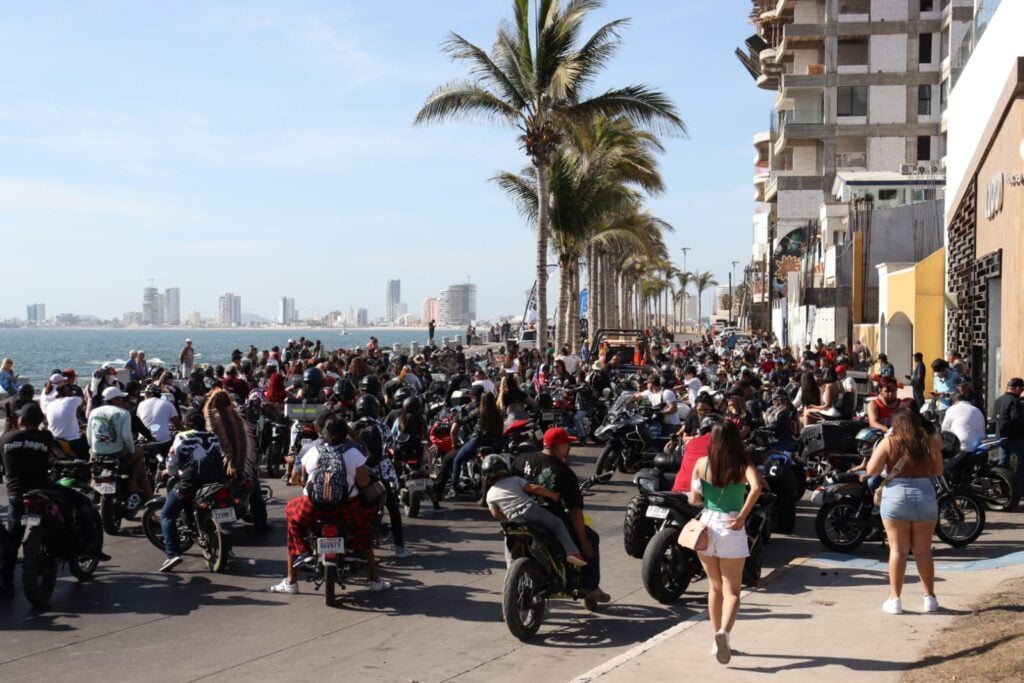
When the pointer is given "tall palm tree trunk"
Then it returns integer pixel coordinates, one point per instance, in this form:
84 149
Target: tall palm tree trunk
543 219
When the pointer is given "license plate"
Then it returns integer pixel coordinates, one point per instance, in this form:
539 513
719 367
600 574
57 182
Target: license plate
224 515
31 521
106 488
657 512
330 545
415 485
107 473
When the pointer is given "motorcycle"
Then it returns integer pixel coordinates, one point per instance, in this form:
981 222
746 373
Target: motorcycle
53 536
412 480
637 527
274 432
204 524
329 565
973 471
110 479
631 446
668 568
537 573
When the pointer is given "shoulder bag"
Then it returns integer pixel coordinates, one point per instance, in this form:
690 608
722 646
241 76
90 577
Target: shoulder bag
694 534
897 468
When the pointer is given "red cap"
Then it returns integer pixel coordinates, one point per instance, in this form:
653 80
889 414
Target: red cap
840 369
557 435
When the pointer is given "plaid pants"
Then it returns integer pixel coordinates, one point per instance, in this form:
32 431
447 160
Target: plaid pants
356 518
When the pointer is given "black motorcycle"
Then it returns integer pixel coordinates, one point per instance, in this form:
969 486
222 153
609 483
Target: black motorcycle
329 564
413 481
668 568
110 479
537 573
205 524
975 472
53 536
637 527
273 433
630 443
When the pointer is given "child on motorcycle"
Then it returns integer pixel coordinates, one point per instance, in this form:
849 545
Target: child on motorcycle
510 497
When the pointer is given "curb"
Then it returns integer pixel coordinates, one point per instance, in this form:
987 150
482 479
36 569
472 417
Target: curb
681 627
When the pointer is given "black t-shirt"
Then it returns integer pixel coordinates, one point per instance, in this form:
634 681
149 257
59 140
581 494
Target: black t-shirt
26 456
514 396
553 474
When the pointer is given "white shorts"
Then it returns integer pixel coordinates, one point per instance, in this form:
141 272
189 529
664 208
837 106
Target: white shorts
726 543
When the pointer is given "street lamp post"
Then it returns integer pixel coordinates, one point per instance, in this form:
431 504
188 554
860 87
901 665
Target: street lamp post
686 295
732 276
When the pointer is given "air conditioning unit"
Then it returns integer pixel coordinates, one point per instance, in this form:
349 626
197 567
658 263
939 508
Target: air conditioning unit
938 168
907 169
922 170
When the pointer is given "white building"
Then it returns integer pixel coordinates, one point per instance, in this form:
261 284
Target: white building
150 306
430 309
172 307
230 309
458 304
286 313
392 295
35 313
362 317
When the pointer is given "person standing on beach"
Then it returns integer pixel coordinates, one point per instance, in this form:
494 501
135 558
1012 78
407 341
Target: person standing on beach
430 332
186 360
719 482
909 507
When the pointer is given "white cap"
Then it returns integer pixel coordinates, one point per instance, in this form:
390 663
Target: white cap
111 393
188 341
57 378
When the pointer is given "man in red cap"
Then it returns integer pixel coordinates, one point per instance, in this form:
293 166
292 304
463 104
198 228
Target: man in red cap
551 470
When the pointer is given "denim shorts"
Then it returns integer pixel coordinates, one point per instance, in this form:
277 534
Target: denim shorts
909 500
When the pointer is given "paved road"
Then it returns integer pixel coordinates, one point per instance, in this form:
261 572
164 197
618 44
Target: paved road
441 622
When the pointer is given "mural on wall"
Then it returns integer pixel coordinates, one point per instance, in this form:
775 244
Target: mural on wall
789 254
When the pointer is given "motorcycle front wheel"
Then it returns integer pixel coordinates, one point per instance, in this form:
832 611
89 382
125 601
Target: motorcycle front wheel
1004 493
961 519
838 527
608 461
39 568
522 602
637 530
666 570
330 581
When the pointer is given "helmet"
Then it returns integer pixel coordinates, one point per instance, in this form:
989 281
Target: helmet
368 406
412 405
314 377
667 370
344 390
707 424
401 395
370 384
867 438
493 464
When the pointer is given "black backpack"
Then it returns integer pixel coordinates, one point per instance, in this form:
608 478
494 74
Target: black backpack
328 483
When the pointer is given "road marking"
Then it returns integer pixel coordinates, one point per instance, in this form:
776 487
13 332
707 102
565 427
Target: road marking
681 627
864 564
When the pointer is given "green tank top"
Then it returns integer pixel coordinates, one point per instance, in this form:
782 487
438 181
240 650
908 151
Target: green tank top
718 499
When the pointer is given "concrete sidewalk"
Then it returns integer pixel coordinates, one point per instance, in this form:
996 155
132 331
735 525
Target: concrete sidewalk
810 621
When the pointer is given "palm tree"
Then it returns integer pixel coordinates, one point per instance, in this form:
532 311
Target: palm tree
703 281
535 80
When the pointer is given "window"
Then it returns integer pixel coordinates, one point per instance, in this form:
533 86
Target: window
924 148
887 195
927 5
924 100
852 100
924 52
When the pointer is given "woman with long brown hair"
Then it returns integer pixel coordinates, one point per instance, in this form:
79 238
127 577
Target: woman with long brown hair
720 481
909 508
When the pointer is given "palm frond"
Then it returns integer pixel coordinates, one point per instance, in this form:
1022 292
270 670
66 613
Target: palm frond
466 99
484 68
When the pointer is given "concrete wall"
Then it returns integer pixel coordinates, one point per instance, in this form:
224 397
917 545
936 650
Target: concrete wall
805 160
887 104
886 154
975 94
808 12
798 204
888 53
889 10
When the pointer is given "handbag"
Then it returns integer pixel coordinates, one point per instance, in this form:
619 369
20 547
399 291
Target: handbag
897 468
694 534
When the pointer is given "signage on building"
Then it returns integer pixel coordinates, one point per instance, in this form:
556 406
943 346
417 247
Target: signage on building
994 196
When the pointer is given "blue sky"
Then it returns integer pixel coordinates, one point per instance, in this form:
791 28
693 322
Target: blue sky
267 148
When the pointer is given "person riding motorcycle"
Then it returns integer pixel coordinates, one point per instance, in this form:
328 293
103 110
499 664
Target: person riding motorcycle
551 470
25 452
109 433
195 458
486 433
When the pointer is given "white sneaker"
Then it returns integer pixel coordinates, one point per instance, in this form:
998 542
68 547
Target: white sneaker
722 651
379 586
285 587
401 552
931 604
893 606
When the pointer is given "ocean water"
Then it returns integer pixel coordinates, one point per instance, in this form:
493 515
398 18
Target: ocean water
38 351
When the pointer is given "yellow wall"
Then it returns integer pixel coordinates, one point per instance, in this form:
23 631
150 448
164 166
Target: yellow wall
918 293
868 335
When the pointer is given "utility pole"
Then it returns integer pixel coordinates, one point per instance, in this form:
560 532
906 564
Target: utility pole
771 275
732 276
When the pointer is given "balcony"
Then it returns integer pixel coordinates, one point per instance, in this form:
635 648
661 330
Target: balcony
795 124
852 161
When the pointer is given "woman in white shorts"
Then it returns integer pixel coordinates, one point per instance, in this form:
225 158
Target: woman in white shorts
720 480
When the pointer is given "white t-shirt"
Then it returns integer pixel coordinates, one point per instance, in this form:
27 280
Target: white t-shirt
156 414
487 384
693 386
572 363
62 417
660 398
354 459
967 422
508 496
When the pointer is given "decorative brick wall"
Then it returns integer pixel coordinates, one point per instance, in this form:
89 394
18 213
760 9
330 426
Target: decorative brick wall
960 269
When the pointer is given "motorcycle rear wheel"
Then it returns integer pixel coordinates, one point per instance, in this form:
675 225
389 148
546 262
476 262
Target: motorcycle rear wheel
521 605
330 581
752 568
838 528
666 571
411 504
38 569
1009 491
213 544
110 515
961 519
